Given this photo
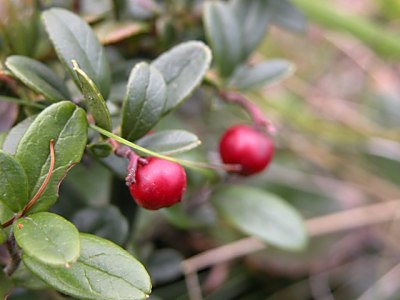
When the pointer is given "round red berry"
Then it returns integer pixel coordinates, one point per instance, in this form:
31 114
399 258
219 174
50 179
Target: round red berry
158 183
247 147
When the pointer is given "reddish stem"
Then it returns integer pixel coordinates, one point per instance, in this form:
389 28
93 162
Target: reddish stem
255 113
40 191
133 160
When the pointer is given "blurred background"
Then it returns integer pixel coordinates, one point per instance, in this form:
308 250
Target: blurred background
337 158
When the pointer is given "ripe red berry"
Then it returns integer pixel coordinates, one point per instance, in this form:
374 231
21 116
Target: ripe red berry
158 183
247 147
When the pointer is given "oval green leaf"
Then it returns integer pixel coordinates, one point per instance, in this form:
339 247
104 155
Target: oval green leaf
48 238
103 271
38 77
264 73
13 183
183 68
66 124
253 18
144 101
73 39
224 35
93 99
261 214
170 142
16 133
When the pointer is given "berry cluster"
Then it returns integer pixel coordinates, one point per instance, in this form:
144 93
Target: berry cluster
155 183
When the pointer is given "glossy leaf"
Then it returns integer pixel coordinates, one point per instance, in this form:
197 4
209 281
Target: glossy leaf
103 271
261 214
170 141
67 125
13 183
265 73
38 77
183 68
224 35
16 133
93 99
73 39
254 19
106 222
144 101
48 238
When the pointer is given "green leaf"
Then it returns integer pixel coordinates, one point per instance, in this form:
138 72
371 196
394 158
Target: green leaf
265 73
5 213
38 77
286 15
224 35
5 285
67 125
261 214
93 99
3 236
254 19
48 238
144 101
73 39
106 222
16 133
23 277
13 183
183 68
170 141
103 271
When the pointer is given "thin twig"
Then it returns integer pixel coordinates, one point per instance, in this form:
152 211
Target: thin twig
40 191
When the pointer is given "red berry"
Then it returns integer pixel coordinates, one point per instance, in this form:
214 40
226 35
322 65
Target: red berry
158 183
247 147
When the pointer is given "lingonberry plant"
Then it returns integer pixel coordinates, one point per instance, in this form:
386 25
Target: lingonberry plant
82 115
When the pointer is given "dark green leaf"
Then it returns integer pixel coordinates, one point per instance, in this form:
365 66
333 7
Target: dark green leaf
38 77
265 73
48 238
23 277
15 135
73 39
262 215
253 18
67 125
144 101
103 271
224 35
106 222
5 285
170 141
93 99
183 68
13 183
286 15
